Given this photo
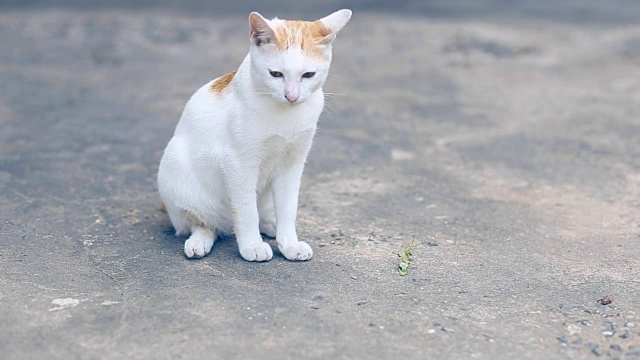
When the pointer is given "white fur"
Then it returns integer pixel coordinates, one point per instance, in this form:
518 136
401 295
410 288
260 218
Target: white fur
236 158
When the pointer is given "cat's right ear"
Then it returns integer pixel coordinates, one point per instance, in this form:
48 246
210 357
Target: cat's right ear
261 32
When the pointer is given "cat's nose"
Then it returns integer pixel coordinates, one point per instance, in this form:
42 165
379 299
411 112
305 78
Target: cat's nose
291 97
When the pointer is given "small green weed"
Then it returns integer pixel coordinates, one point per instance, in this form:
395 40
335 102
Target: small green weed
405 258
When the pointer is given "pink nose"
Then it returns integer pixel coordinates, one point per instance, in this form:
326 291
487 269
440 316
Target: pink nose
291 98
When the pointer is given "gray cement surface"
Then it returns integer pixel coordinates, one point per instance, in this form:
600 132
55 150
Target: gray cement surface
501 137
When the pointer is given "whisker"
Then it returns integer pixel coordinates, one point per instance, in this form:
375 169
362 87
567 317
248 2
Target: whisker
329 113
334 110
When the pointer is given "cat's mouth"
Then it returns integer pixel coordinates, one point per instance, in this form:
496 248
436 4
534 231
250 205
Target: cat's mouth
287 102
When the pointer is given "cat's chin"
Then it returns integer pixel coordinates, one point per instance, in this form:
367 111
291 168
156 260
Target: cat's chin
285 102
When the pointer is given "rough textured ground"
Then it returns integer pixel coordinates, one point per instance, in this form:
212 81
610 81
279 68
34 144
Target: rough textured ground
503 140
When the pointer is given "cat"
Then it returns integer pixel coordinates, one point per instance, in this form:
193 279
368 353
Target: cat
236 158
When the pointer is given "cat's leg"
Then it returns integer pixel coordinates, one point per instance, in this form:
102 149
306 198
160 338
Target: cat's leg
201 240
266 210
285 189
241 181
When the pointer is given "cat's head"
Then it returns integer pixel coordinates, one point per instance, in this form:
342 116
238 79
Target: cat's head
290 59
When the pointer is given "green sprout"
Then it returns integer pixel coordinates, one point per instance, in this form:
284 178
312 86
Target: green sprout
405 258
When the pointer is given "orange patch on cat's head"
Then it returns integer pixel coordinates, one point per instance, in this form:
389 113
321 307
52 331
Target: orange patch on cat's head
306 35
222 83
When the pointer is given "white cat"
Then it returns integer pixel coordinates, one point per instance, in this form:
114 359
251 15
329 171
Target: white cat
236 158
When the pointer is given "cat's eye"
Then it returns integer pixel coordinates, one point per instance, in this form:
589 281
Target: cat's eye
276 73
308 74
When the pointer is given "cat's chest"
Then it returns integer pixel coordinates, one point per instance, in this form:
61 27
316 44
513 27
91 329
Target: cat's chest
278 145
278 152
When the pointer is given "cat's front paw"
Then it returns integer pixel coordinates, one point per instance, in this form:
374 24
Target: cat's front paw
298 251
257 252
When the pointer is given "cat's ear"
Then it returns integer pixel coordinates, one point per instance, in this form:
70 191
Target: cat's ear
261 32
334 23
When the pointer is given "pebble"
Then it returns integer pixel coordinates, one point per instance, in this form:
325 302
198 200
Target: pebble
615 347
431 331
583 322
360 303
607 333
594 349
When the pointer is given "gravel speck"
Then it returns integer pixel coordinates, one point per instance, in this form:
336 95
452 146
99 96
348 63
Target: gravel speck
607 333
606 300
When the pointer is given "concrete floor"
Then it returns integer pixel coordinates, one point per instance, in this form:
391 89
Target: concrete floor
503 139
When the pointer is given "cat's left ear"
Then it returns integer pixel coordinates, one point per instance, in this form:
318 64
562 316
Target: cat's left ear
334 23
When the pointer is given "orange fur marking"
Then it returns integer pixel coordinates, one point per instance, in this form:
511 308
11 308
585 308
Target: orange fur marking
222 82
305 34
193 219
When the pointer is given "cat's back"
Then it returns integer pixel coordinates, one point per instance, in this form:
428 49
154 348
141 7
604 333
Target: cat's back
214 94
209 106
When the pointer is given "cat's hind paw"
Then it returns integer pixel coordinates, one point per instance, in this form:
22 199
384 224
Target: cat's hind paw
299 251
268 229
198 244
257 252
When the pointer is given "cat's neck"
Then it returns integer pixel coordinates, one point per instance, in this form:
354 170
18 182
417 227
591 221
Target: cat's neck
243 84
